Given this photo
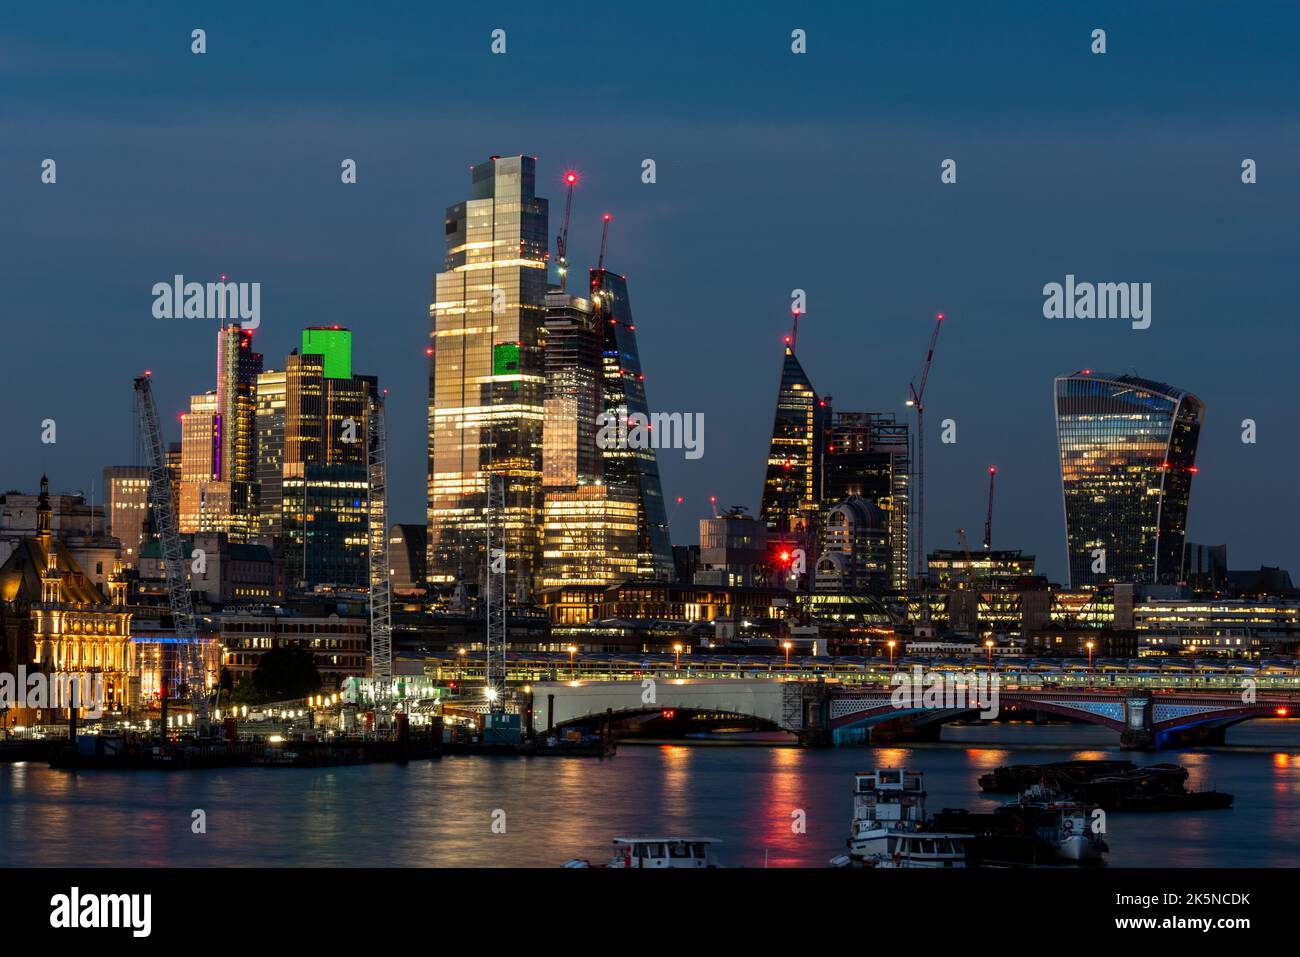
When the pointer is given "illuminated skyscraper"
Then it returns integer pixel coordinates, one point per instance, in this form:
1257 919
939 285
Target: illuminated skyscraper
791 491
237 369
631 471
269 420
590 536
574 372
486 380
1128 454
322 461
218 438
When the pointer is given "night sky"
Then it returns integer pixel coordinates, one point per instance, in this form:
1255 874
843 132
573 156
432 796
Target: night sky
775 171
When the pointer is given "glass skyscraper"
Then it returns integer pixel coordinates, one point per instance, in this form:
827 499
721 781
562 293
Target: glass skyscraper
486 380
631 471
791 487
1128 454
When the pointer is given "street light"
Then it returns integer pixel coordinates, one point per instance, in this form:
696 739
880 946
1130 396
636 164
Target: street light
572 670
1090 645
677 662
989 645
787 647
891 644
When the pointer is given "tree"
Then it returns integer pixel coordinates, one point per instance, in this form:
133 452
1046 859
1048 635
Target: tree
281 674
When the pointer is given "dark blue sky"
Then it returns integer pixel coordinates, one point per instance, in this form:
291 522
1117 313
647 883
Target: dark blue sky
775 171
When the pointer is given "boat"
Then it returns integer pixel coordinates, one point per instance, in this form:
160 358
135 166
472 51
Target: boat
1062 775
1157 787
889 826
1064 825
1043 827
1111 785
657 853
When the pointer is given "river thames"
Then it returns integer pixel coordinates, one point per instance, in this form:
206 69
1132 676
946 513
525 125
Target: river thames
441 813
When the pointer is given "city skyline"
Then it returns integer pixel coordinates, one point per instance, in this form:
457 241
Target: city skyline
717 340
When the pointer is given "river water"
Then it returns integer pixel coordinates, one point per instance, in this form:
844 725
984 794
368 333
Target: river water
450 813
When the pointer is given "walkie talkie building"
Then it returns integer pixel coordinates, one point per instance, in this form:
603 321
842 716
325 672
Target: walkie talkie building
1128 454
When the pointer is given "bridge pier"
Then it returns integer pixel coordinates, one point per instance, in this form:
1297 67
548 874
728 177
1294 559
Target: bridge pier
1139 728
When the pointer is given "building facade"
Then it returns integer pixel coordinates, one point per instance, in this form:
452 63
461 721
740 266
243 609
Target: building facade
791 486
867 455
1128 454
57 619
126 500
590 536
486 379
625 469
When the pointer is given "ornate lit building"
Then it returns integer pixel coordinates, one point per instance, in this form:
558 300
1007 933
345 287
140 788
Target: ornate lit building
56 619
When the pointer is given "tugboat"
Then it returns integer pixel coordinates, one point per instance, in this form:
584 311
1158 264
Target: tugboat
657 853
889 827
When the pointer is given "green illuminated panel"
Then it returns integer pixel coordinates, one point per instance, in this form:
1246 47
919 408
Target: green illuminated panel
505 358
334 346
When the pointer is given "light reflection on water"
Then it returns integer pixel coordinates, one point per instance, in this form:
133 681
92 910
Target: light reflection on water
440 813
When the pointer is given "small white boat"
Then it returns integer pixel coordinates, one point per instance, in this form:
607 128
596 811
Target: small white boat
658 852
889 821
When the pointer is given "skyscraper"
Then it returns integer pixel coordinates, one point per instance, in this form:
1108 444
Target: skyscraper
237 369
269 419
323 481
626 470
867 455
791 492
486 380
219 459
574 374
1128 454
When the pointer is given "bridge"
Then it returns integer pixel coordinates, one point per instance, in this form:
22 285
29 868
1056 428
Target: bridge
820 713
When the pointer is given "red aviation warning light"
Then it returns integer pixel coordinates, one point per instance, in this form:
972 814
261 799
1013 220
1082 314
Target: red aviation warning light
571 177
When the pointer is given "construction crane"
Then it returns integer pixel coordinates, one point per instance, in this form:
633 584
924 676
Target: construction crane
381 620
988 522
189 667
965 545
916 401
604 235
562 240
495 598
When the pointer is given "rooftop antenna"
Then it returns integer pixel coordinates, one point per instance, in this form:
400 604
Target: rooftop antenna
604 234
